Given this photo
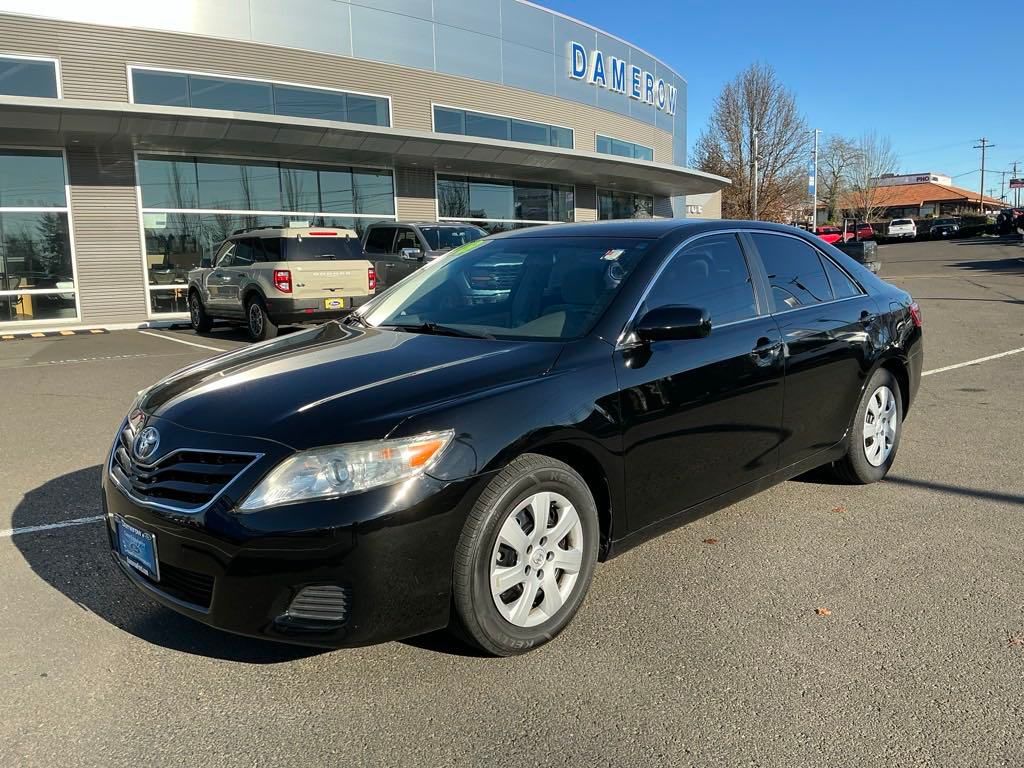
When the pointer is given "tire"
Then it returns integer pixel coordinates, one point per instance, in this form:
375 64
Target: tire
873 446
483 553
201 322
257 321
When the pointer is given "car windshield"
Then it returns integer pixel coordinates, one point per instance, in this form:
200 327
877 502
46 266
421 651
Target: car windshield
901 222
314 248
941 222
551 288
442 238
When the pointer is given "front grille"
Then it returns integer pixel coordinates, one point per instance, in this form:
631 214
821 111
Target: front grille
187 479
187 586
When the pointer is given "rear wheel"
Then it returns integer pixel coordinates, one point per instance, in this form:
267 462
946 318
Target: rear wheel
526 556
201 322
875 435
258 322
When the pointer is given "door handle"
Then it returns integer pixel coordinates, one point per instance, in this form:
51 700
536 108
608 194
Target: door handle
764 352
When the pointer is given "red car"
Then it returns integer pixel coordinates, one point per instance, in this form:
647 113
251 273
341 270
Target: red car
862 231
830 235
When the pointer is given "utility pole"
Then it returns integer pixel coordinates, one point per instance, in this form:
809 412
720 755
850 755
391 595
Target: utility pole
814 186
1016 192
754 175
1002 185
982 145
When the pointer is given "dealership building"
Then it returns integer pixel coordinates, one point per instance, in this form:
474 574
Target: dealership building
135 136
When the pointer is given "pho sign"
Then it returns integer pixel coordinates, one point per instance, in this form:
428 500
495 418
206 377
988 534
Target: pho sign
618 76
1016 183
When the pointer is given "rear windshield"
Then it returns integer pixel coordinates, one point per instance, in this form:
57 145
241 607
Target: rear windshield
901 222
442 238
321 249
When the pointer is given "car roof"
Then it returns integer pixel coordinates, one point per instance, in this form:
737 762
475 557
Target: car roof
293 232
643 228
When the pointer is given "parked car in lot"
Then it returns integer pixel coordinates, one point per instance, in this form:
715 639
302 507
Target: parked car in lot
399 248
901 229
264 278
830 235
858 231
433 461
943 228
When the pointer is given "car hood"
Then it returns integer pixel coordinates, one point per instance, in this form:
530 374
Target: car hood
338 383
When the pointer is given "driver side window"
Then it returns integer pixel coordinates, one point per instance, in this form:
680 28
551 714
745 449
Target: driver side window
712 274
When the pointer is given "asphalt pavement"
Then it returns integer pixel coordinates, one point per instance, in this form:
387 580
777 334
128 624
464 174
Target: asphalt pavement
812 625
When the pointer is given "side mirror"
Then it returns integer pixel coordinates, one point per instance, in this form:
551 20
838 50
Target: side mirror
411 254
206 262
673 323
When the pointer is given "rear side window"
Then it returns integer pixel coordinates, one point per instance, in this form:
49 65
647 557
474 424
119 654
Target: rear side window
794 271
380 239
842 286
322 249
711 274
272 249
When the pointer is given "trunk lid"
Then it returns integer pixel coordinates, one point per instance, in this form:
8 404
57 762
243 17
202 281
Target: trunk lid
324 279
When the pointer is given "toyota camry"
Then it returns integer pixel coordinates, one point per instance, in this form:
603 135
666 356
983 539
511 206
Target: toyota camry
438 460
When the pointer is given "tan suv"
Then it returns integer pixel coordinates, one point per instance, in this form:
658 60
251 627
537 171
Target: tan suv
270 277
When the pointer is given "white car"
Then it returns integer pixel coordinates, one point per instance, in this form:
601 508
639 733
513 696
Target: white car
902 228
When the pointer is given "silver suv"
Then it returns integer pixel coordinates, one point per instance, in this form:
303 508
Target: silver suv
399 248
264 278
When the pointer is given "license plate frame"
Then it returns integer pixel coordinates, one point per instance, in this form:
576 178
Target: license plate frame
332 302
138 548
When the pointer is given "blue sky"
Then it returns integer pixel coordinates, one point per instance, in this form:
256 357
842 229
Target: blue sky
933 76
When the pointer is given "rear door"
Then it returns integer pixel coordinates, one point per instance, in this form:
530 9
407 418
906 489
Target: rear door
828 324
702 416
380 249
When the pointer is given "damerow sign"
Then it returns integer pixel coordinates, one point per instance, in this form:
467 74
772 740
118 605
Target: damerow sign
619 76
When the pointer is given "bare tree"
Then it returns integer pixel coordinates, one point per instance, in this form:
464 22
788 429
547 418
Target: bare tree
834 162
873 158
756 101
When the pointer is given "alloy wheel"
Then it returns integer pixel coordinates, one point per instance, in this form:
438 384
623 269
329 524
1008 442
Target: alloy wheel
537 559
255 320
194 311
880 425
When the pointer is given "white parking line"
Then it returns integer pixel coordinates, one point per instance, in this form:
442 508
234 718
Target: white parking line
182 341
973 362
6 533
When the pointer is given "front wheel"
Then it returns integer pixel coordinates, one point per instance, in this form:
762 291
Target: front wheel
526 556
258 322
875 435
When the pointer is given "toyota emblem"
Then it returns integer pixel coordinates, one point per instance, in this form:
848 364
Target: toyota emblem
146 443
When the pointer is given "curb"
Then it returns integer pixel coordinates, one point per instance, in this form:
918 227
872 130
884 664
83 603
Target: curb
51 334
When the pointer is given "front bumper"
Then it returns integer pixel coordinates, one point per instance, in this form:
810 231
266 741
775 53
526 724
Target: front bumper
389 550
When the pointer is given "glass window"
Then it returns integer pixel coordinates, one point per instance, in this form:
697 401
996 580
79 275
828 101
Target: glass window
624 205
621 148
25 77
487 127
443 238
530 133
168 300
336 191
235 95
643 153
300 189
492 200
322 249
505 200
227 255
245 252
271 249
449 120
59 305
406 239
604 145
794 271
368 110
168 183
166 88
35 252
609 146
309 102
537 288
31 179
380 240
711 274
561 137
372 192
239 186
842 286
453 197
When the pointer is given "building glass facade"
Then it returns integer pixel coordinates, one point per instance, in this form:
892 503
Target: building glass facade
624 205
497 205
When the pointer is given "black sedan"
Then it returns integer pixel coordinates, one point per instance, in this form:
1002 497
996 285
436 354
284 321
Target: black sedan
437 461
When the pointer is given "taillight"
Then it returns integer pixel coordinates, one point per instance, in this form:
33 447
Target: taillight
915 314
283 280
371 278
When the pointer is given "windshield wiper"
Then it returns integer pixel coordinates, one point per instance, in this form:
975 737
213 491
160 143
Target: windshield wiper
438 330
354 318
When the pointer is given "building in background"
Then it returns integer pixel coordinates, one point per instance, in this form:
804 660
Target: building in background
134 136
923 195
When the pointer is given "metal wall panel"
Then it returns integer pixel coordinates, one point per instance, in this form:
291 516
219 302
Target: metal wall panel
414 188
586 203
108 249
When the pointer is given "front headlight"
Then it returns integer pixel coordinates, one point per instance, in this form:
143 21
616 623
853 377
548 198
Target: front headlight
337 470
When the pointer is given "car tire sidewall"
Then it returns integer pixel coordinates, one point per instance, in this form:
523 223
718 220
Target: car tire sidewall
857 461
197 316
498 635
267 328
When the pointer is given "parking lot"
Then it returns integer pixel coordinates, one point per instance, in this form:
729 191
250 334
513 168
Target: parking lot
704 647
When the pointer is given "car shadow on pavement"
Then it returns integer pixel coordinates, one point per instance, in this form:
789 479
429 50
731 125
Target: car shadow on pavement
76 561
977 493
1008 266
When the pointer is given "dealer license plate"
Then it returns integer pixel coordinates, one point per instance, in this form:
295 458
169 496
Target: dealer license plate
334 303
138 548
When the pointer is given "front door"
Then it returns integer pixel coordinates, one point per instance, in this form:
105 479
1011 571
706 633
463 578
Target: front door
701 417
215 278
404 267
829 326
